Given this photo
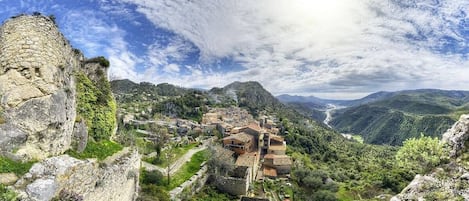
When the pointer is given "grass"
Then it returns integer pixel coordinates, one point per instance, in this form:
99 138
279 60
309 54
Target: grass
178 152
187 170
7 165
358 138
7 194
99 150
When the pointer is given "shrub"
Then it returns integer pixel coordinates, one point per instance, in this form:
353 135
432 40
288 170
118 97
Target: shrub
422 154
97 106
152 177
6 194
99 150
101 60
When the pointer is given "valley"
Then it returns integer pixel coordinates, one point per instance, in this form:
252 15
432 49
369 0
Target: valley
172 100
392 117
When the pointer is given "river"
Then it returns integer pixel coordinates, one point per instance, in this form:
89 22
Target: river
330 108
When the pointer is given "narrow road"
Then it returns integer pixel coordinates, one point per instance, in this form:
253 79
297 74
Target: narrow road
186 157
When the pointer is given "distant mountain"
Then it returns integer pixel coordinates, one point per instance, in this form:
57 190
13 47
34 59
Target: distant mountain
311 110
319 103
122 86
392 117
246 94
315 107
126 90
367 99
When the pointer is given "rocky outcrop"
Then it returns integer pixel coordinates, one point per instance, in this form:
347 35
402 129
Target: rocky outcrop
63 176
449 181
37 88
457 136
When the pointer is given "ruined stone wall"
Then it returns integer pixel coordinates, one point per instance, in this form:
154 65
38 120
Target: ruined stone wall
190 187
91 180
37 88
237 185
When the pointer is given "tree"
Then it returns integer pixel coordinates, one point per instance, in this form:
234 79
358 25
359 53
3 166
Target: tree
422 154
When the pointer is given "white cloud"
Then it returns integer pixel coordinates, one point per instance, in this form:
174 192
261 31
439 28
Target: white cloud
308 46
171 68
97 37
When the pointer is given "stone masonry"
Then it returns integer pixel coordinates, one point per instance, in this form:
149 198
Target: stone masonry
37 90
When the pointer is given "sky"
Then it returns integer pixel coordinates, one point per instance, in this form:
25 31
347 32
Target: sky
339 49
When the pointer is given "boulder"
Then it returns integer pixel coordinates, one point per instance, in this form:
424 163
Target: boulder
457 136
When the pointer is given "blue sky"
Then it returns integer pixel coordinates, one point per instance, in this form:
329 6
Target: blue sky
331 49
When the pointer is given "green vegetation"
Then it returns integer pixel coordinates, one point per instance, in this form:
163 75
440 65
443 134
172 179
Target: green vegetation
187 170
188 106
151 189
6 194
177 152
2 119
422 154
209 193
19 168
96 106
249 95
358 171
101 60
99 150
154 185
403 115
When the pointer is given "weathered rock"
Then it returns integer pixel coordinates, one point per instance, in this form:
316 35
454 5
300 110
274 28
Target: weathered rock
80 136
457 136
8 178
449 181
117 180
37 88
42 189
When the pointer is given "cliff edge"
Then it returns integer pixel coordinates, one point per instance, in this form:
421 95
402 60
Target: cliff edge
37 88
54 101
449 181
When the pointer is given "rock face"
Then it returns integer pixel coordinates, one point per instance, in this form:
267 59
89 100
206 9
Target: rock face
63 176
37 90
457 136
449 181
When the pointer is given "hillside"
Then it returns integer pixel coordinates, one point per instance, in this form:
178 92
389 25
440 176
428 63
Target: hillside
402 115
321 155
250 95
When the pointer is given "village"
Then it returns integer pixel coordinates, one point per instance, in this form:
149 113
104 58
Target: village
255 146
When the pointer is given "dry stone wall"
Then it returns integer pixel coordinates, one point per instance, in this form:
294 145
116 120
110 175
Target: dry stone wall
37 90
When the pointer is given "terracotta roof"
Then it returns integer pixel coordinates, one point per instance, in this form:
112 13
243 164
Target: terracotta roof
246 160
269 156
278 147
277 138
279 159
243 137
270 172
254 126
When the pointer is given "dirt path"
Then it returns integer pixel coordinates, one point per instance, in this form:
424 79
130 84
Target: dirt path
186 157
177 164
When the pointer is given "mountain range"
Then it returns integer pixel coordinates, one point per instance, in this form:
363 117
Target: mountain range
391 117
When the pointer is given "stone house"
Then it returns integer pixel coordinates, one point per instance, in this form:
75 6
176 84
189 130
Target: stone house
239 143
250 160
277 145
235 184
281 163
